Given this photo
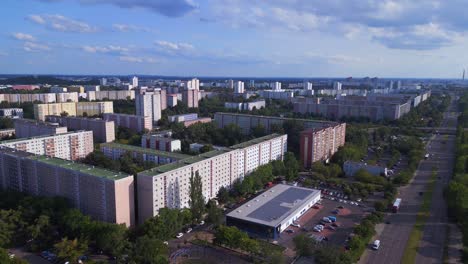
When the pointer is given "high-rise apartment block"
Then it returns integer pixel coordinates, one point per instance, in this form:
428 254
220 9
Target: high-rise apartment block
190 95
149 104
72 109
337 86
239 87
102 194
25 128
133 122
276 86
307 86
135 81
103 131
321 143
168 185
11 112
69 146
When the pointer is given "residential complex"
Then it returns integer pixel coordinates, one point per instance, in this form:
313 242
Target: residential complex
375 107
11 112
103 130
168 185
69 146
239 87
270 213
115 151
249 106
133 122
190 95
72 109
102 194
110 95
39 97
25 128
149 104
321 143
160 142
189 119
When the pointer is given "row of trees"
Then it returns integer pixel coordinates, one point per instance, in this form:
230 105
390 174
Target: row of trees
457 190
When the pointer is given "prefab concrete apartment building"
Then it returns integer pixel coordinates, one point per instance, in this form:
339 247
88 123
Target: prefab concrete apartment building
168 185
33 128
69 146
103 131
133 122
72 109
271 212
115 151
102 194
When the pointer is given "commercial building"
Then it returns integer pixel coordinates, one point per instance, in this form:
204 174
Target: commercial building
110 95
103 130
351 167
11 112
168 185
133 122
271 212
149 104
321 143
247 122
104 195
25 128
115 151
72 109
69 146
159 142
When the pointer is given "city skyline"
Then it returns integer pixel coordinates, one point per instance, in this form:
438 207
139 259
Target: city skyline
234 38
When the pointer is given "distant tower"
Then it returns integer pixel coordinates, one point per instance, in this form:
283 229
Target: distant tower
463 77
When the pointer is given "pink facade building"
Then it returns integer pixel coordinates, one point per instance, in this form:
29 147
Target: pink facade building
25 87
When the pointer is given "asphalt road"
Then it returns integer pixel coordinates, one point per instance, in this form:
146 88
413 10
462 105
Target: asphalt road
394 236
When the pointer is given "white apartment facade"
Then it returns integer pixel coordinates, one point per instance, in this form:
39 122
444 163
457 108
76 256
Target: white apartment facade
68 146
169 185
239 87
149 104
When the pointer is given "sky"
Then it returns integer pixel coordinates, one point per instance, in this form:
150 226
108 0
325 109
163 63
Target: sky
251 38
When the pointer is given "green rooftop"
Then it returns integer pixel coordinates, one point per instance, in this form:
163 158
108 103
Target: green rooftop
146 150
84 168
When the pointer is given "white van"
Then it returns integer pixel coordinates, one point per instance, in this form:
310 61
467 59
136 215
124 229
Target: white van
376 245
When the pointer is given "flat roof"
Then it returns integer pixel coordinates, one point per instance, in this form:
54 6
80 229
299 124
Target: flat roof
147 150
280 118
81 167
274 205
38 122
207 155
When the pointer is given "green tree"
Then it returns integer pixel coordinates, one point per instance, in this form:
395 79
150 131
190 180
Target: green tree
292 166
197 201
150 251
70 250
303 245
215 214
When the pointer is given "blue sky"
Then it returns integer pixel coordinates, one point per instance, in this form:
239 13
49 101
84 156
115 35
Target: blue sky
287 38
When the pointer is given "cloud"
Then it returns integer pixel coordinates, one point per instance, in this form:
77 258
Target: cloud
130 28
172 47
137 59
23 36
105 49
62 23
333 59
170 8
34 47
2 53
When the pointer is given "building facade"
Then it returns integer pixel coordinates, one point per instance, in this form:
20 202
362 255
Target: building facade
72 109
25 128
103 131
69 146
168 185
321 143
149 104
104 195
110 95
115 151
158 142
11 112
134 122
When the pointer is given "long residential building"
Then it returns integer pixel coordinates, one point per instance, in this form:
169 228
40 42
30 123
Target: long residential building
110 95
103 131
115 151
25 128
102 194
133 122
168 185
39 97
69 146
374 107
11 112
72 109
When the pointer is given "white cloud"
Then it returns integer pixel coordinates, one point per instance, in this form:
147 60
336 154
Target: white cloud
105 49
131 28
61 23
333 59
137 59
33 47
172 46
23 36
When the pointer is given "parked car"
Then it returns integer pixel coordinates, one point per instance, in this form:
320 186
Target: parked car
189 230
202 222
336 211
296 224
332 218
327 220
290 231
179 235
340 207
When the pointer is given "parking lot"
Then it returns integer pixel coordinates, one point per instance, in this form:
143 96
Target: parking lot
347 218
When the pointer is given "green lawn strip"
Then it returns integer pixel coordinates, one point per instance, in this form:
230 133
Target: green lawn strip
412 245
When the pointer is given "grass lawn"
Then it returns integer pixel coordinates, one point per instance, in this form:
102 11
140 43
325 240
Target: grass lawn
412 245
